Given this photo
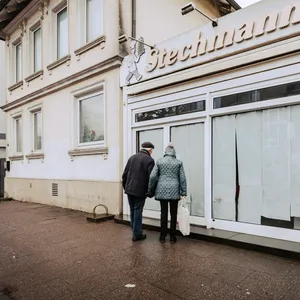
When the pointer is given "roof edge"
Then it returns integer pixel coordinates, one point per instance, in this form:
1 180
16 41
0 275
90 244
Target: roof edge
234 4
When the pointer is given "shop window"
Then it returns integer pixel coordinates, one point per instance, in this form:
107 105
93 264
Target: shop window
91 119
171 111
269 93
256 167
188 140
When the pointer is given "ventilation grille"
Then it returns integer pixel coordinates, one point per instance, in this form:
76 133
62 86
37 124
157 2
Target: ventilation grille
54 189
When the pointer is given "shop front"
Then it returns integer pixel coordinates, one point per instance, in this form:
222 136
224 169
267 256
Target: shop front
232 110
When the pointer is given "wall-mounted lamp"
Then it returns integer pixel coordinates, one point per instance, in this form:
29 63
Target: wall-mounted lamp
124 39
191 7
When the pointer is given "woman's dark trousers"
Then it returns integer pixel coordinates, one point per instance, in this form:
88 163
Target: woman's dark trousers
164 217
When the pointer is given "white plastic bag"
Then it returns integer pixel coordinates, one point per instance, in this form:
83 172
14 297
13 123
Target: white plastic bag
183 217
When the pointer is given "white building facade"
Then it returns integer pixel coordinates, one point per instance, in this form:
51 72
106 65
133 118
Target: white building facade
64 103
228 98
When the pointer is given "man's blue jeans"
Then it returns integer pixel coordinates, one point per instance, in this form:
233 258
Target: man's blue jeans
136 214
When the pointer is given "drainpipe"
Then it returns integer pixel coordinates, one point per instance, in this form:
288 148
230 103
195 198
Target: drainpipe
133 25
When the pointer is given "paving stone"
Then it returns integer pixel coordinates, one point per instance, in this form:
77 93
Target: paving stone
266 285
216 290
219 271
182 284
294 292
253 261
141 290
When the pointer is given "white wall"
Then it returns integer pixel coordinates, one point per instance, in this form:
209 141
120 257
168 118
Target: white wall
159 20
58 110
77 64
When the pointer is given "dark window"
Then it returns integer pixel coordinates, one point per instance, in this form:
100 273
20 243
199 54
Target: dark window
269 93
171 111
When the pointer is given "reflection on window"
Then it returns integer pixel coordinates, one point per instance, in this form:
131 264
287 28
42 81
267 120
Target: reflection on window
171 111
91 117
269 93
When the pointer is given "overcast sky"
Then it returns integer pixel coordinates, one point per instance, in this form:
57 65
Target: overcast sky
244 3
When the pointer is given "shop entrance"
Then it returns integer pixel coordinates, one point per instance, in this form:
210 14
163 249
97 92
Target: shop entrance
188 140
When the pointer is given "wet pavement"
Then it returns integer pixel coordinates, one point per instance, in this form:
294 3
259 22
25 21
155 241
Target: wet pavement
51 253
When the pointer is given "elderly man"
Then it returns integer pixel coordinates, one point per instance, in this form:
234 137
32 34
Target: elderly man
135 183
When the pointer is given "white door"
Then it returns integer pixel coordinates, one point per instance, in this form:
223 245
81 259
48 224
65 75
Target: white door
188 141
156 137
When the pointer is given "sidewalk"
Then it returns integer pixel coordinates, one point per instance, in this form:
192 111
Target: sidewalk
52 253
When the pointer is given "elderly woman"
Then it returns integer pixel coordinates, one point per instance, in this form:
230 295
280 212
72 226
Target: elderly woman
168 183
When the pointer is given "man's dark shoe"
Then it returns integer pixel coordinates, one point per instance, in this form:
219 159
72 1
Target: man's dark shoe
139 238
162 239
173 239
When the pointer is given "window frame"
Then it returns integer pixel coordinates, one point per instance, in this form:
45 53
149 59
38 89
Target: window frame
34 52
83 98
35 27
82 94
59 7
14 72
33 111
15 118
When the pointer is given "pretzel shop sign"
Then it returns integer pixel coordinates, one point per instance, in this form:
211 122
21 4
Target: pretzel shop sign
266 23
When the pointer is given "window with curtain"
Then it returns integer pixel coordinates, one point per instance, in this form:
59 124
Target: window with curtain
256 167
62 33
37 50
19 62
93 19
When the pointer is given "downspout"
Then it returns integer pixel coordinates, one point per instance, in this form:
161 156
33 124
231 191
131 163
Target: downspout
133 7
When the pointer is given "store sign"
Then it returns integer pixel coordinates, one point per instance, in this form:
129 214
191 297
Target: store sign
267 22
161 58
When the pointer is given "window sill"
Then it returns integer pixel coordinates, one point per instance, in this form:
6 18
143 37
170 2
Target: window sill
16 157
35 156
34 76
15 86
89 151
99 41
59 62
